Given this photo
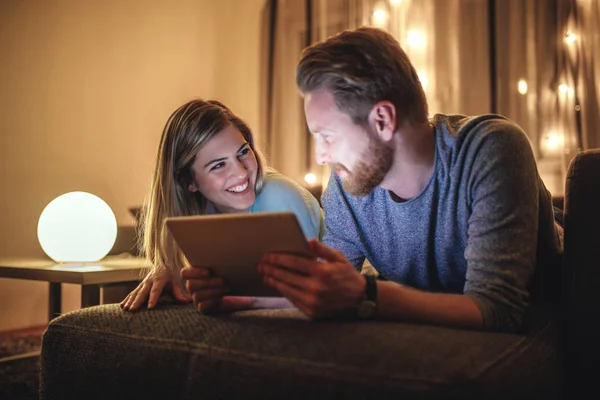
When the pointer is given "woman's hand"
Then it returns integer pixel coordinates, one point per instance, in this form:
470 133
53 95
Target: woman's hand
151 289
208 292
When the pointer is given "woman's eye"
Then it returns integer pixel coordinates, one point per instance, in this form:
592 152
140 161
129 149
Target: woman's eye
217 166
245 151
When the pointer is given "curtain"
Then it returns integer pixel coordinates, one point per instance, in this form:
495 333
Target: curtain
578 39
532 61
525 82
283 124
589 87
292 25
446 40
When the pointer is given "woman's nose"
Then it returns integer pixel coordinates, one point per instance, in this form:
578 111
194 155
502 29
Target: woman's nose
240 169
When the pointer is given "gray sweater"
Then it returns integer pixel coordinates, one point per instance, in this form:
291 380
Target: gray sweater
479 227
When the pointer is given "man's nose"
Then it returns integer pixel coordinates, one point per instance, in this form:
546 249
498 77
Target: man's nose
321 154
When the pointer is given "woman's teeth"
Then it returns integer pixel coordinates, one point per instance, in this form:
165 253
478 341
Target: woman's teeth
239 188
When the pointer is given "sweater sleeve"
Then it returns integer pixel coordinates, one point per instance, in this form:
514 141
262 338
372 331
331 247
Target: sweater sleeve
341 230
503 225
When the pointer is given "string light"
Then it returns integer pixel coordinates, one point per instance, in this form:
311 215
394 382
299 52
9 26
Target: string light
522 86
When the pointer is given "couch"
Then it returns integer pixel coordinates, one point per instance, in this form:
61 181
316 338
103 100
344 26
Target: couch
175 352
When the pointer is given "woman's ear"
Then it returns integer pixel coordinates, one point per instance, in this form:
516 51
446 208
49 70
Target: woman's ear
383 118
192 188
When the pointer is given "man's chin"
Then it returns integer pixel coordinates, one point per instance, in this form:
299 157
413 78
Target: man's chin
357 189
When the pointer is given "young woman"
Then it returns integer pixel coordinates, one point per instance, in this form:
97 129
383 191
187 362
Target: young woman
207 163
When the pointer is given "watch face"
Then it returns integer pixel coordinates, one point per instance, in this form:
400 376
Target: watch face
366 309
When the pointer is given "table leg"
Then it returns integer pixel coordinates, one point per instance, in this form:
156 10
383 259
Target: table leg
90 295
54 300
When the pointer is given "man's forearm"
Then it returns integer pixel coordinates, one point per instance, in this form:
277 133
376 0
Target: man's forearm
399 302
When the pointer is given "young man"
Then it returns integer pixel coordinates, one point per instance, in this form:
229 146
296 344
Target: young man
450 210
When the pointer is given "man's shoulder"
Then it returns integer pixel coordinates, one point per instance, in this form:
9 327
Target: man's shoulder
464 127
464 135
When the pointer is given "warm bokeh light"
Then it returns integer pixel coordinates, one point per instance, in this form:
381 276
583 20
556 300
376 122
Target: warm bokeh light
415 38
522 87
380 17
570 37
563 88
395 2
77 227
552 142
310 178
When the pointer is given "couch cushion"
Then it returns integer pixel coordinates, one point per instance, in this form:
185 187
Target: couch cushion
176 352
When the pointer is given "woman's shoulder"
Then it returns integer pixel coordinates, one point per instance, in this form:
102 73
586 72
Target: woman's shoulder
280 192
274 181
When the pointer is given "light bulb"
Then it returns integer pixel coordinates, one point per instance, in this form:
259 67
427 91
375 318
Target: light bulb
77 227
522 86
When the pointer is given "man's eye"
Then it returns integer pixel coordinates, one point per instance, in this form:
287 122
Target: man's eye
217 166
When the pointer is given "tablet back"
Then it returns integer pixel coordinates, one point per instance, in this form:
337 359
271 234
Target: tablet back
232 245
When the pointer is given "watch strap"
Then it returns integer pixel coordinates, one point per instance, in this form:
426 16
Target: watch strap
368 305
370 288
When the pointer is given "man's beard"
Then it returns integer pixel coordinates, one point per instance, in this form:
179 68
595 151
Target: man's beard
372 166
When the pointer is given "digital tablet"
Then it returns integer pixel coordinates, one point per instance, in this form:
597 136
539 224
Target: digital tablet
232 245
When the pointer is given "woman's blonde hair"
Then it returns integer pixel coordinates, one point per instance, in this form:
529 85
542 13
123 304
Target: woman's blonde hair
186 131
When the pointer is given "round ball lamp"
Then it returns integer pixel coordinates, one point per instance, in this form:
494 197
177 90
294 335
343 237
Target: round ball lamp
77 227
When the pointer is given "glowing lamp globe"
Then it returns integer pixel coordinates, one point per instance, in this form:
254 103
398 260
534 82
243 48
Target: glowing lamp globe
77 227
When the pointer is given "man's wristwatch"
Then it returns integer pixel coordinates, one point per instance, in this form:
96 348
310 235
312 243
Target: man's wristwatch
368 305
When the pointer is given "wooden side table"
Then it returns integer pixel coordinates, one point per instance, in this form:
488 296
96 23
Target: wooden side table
91 276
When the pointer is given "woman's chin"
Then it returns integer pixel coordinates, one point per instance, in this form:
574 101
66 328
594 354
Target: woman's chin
244 203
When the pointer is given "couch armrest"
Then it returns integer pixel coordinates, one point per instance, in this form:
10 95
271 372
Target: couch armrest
581 266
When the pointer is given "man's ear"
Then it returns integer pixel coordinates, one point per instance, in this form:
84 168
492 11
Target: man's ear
383 118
